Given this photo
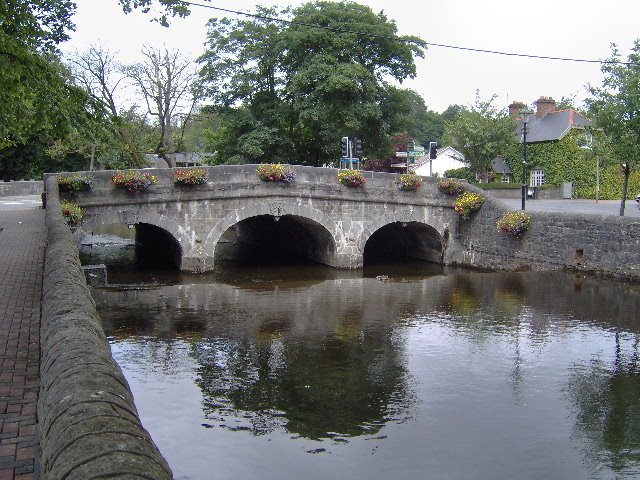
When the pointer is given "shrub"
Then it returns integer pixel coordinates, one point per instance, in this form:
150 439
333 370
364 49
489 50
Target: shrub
72 213
463 173
351 178
514 223
190 176
74 183
276 172
450 187
467 203
133 181
409 182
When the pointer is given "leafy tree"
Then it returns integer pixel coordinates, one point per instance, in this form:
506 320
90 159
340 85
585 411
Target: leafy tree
39 105
307 83
452 112
616 109
97 72
167 8
481 134
408 113
165 79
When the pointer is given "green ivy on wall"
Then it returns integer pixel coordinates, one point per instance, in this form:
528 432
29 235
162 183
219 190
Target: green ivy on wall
565 161
611 179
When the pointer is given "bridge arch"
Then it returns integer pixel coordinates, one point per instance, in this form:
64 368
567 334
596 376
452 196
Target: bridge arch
423 236
170 234
318 225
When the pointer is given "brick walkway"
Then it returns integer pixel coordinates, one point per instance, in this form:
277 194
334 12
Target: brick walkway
22 239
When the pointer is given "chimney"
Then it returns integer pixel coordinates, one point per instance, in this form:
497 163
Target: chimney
545 105
515 108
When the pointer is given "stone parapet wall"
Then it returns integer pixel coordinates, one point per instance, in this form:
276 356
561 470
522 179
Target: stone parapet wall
21 187
596 244
89 425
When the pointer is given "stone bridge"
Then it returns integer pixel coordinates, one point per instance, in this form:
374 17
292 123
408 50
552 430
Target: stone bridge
317 218
314 217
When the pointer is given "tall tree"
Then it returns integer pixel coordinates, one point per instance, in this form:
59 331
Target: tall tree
165 79
480 134
312 80
39 105
408 113
615 106
97 71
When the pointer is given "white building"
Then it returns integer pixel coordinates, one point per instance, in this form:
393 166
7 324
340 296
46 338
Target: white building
447 158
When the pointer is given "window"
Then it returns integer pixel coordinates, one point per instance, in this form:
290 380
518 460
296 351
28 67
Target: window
537 178
505 178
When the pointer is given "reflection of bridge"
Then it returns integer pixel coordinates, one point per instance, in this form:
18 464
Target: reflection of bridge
313 217
316 218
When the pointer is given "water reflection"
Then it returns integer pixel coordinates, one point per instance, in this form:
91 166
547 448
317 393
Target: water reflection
347 385
519 375
606 395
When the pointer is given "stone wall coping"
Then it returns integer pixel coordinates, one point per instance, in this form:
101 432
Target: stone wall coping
89 425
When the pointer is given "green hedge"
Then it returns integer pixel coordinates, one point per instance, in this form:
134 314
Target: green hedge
464 173
498 186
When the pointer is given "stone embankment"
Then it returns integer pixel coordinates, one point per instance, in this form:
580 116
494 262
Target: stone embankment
88 421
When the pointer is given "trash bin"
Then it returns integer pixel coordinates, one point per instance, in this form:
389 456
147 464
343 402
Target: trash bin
566 190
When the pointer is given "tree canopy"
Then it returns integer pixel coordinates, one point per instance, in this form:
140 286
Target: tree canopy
480 134
40 104
615 106
304 83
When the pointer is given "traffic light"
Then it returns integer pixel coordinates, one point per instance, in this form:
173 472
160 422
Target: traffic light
358 147
344 147
432 150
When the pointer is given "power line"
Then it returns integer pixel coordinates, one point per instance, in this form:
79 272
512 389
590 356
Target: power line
432 44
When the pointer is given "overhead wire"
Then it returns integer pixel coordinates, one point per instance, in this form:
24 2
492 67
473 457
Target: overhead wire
433 44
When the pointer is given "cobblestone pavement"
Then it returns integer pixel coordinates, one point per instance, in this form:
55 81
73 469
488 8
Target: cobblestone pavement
22 239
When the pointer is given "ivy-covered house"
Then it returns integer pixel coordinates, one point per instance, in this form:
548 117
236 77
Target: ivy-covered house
555 146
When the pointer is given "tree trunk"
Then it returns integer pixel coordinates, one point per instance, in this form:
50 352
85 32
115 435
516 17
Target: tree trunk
625 185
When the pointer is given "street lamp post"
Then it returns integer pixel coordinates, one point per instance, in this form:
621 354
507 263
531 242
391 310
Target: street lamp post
525 115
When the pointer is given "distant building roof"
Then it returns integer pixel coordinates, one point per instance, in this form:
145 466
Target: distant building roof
500 166
449 151
547 124
552 126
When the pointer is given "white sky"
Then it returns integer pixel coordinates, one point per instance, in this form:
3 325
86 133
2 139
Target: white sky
559 28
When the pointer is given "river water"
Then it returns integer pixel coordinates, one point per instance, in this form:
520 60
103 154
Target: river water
396 372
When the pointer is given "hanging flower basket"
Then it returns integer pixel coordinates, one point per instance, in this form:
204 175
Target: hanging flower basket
351 178
276 172
72 213
450 187
190 176
74 183
514 223
409 182
133 181
467 203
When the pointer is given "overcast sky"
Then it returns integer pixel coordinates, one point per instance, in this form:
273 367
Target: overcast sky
559 28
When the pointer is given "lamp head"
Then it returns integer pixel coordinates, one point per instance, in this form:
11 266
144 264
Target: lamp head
525 115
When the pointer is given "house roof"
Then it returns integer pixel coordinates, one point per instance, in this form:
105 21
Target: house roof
552 126
500 166
448 150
